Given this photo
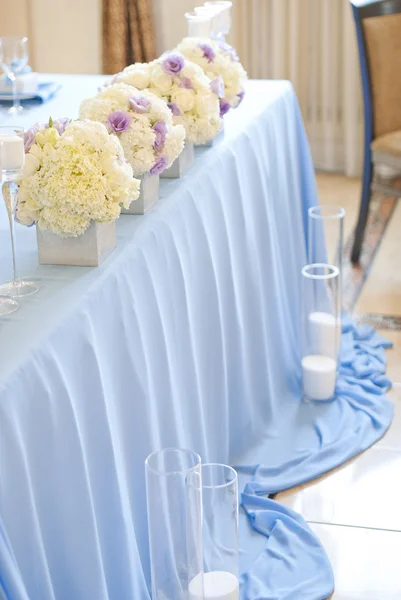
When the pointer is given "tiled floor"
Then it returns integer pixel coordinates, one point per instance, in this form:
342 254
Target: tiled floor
356 509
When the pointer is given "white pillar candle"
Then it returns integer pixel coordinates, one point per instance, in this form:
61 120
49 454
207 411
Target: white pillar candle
225 15
217 585
199 25
12 154
325 333
215 13
319 376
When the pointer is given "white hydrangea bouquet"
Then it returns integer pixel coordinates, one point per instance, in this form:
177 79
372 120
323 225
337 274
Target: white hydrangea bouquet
143 124
186 90
221 64
74 173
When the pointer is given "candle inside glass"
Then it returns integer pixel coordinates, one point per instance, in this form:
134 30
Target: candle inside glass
12 154
325 333
217 585
199 25
319 376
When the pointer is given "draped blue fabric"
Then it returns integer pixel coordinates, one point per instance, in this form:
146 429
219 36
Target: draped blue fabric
188 335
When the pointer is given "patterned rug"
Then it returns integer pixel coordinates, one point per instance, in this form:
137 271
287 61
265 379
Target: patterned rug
355 276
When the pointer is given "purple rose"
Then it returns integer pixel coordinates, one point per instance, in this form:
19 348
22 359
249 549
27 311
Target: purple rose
174 109
208 51
186 83
160 129
30 135
241 97
119 121
173 62
159 166
114 78
217 85
224 107
61 124
139 104
228 49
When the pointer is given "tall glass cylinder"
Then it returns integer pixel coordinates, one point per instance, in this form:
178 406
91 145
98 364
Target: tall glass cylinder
321 337
326 237
174 503
220 535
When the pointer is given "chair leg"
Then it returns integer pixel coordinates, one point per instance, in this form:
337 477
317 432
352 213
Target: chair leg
363 212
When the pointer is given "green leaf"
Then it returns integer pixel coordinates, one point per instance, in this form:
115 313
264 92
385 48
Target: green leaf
50 122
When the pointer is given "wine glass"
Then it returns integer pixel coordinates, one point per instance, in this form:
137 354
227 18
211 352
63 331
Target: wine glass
12 160
13 58
7 306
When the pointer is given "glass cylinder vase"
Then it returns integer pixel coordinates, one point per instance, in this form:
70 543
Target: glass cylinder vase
326 237
220 536
174 504
321 330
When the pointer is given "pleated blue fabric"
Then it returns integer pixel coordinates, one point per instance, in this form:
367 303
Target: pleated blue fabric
187 336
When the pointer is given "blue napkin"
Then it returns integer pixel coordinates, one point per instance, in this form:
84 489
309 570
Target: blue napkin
45 92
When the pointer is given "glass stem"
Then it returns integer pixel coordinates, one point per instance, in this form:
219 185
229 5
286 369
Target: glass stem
11 209
16 102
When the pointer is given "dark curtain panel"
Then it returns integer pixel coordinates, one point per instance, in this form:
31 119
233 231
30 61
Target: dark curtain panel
128 34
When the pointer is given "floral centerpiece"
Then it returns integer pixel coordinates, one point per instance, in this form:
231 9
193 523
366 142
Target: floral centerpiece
143 124
186 90
221 64
75 173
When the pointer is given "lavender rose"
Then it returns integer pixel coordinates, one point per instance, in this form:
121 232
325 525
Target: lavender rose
61 124
224 107
159 166
186 83
208 51
119 121
241 97
30 135
174 109
139 104
160 129
217 85
173 63
228 49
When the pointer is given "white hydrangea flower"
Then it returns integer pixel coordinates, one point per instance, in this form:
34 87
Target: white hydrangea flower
217 59
72 179
185 88
142 122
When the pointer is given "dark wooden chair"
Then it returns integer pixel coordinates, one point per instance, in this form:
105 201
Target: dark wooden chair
378 29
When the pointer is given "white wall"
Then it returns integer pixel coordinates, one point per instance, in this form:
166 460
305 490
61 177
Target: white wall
64 35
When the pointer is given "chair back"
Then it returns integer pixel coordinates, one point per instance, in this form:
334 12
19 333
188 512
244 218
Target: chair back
378 24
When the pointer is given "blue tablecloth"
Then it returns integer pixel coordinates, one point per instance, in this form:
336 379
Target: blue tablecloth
188 335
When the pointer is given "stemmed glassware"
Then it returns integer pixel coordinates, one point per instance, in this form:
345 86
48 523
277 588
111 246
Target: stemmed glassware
11 162
13 58
7 306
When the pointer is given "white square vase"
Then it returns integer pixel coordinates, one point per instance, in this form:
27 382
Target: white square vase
216 140
182 163
87 250
149 195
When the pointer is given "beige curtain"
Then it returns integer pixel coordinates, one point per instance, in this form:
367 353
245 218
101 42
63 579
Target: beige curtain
128 34
313 44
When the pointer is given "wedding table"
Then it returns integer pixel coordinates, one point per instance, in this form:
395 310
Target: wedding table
187 335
